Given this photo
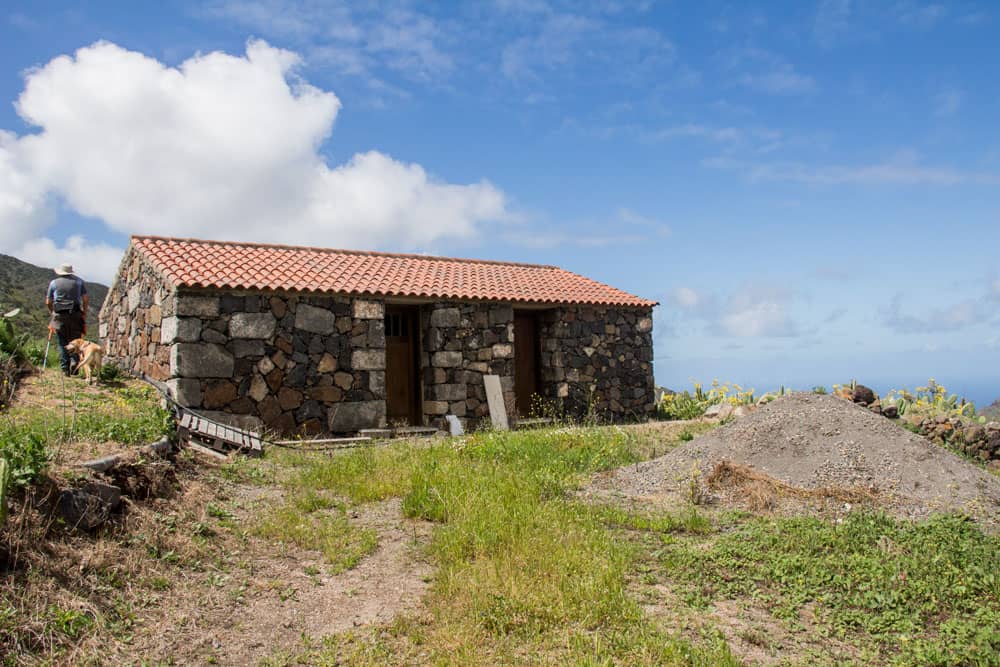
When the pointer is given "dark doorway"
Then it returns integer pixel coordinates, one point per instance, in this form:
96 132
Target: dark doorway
402 379
526 366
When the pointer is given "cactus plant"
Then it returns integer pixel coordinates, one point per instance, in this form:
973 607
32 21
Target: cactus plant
901 406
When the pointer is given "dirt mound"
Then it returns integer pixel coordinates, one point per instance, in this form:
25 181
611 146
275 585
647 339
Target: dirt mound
811 441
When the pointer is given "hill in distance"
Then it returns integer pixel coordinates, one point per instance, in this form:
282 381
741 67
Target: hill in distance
23 285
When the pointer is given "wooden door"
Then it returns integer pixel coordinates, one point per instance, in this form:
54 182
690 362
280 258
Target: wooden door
526 367
402 382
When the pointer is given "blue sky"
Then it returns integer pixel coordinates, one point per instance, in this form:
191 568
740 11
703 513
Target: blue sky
812 190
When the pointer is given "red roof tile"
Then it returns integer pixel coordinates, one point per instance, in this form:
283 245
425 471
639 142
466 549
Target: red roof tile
256 266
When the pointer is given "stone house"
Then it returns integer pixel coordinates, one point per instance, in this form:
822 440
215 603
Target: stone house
310 340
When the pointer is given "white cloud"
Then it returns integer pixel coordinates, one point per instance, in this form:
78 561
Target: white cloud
749 312
565 41
895 172
23 208
768 72
353 38
685 297
91 261
782 80
221 146
952 317
752 313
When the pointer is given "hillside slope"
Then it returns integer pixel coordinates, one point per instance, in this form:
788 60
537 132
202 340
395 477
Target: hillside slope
22 285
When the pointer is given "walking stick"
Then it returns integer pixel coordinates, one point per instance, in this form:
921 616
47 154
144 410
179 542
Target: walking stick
45 363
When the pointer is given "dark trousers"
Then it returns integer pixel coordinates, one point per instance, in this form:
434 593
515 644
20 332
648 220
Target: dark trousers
69 327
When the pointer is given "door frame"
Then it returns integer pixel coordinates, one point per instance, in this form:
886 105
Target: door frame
412 315
534 315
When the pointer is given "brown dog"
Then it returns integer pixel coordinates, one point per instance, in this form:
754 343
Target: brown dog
90 357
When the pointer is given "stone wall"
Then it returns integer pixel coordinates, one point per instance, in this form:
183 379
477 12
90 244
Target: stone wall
309 364
598 361
980 441
132 316
302 364
461 343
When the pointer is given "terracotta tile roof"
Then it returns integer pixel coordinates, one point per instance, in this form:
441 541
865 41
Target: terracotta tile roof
255 266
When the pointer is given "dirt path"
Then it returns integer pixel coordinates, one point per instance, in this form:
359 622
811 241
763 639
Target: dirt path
289 597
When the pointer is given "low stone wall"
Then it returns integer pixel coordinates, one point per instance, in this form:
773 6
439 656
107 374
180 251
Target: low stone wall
131 318
978 441
599 361
461 343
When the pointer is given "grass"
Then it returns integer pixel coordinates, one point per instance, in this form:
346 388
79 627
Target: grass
525 572
313 521
909 593
32 433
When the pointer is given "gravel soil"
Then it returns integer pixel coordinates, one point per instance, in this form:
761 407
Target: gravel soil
813 441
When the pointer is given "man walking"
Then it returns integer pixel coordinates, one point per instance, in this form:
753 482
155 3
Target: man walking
67 301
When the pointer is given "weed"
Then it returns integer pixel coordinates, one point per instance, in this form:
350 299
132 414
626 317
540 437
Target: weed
695 489
321 528
69 622
929 588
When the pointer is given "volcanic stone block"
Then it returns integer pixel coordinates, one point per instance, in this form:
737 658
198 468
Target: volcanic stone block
446 317
501 314
180 330
289 398
368 360
503 351
327 394
197 306
343 380
327 364
200 360
451 359
450 392
258 388
368 310
218 394
252 325
354 416
315 320
185 391
248 348
436 407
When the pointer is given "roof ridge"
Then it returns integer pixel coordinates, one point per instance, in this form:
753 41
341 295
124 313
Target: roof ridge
346 251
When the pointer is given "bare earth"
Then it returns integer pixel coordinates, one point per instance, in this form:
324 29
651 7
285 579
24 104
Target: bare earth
282 603
812 441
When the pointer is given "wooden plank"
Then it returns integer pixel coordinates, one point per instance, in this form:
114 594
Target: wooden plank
324 441
375 433
207 451
533 422
494 399
415 430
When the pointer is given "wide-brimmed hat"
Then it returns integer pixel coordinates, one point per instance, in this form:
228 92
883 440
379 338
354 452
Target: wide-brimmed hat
64 269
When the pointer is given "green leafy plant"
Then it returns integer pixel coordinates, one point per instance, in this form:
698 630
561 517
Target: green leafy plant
4 481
